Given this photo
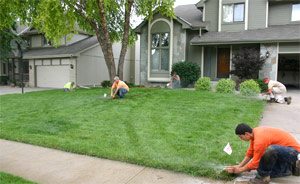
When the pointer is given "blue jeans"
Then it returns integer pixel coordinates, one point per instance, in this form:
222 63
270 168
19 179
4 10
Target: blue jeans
175 84
121 92
277 161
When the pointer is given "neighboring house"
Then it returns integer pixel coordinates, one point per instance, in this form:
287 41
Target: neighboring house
211 31
79 59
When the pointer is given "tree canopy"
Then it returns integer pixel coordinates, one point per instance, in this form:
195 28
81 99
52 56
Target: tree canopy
109 20
6 36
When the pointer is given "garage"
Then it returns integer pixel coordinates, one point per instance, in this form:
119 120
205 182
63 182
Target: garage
52 76
288 70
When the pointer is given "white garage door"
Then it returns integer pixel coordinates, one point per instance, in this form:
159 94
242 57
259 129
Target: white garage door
52 76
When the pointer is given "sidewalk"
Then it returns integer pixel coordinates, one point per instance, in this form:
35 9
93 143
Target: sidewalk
285 117
44 165
17 90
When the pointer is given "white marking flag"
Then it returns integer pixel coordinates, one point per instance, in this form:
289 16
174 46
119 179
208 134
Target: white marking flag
228 149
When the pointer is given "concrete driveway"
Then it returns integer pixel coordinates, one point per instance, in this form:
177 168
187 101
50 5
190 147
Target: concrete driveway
14 90
285 117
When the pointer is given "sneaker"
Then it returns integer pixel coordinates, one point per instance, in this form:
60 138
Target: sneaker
289 100
296 172
262 180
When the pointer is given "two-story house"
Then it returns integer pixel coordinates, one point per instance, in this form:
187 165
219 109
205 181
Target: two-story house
79 59
211 31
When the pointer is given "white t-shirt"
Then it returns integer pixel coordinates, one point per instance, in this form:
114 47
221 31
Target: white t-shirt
277 84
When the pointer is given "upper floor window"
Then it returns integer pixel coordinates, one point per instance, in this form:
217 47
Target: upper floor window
296 12
47 43
233 12
27 40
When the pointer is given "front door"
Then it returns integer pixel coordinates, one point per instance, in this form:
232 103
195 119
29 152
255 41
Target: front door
223 62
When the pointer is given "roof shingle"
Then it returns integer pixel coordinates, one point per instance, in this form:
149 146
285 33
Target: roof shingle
278 33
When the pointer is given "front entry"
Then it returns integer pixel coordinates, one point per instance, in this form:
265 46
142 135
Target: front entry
223 62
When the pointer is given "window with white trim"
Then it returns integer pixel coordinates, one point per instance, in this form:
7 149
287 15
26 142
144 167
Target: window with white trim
233 13
296 12
160 52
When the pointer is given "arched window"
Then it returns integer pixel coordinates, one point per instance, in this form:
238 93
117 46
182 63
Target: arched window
160 47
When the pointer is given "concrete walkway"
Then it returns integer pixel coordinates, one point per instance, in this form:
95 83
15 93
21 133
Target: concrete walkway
46 165
17 90
285 117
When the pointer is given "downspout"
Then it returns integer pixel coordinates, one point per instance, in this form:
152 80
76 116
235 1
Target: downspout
200 32
202 54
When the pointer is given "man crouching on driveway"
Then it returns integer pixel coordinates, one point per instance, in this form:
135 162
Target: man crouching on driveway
274 153
121 88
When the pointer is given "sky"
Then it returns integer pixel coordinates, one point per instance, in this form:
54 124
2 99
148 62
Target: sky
138 20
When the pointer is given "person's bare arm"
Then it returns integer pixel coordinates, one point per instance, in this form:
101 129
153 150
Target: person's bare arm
116 92
239 168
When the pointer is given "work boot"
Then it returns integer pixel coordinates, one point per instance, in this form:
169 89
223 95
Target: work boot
262 180
272 100
289 100
296 171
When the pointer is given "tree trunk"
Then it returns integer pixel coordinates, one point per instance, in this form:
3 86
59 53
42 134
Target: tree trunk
105 43
109 60
125 38
102 34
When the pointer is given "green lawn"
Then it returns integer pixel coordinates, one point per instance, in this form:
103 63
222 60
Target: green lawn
6 178
178 130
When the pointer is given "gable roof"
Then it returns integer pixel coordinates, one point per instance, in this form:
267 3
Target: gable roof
201 3
33 31
280 33
62 51
188 15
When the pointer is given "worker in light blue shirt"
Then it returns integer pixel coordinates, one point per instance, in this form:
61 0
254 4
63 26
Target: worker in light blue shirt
175 81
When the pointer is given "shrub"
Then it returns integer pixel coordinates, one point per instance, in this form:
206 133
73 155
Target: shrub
106 84
203 84
247 62
188 72
3 80
249 88
263 87
225 86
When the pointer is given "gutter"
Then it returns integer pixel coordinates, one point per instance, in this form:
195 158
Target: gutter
50 56
241 42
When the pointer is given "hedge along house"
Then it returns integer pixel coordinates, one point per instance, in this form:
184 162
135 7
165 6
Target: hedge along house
211 31
79 59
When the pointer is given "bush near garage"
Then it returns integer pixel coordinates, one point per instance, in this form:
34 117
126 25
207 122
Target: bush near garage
249 88
247 62
106 84
263 87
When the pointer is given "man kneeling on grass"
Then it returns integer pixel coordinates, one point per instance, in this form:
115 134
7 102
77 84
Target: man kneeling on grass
70 86
118 88
274 153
